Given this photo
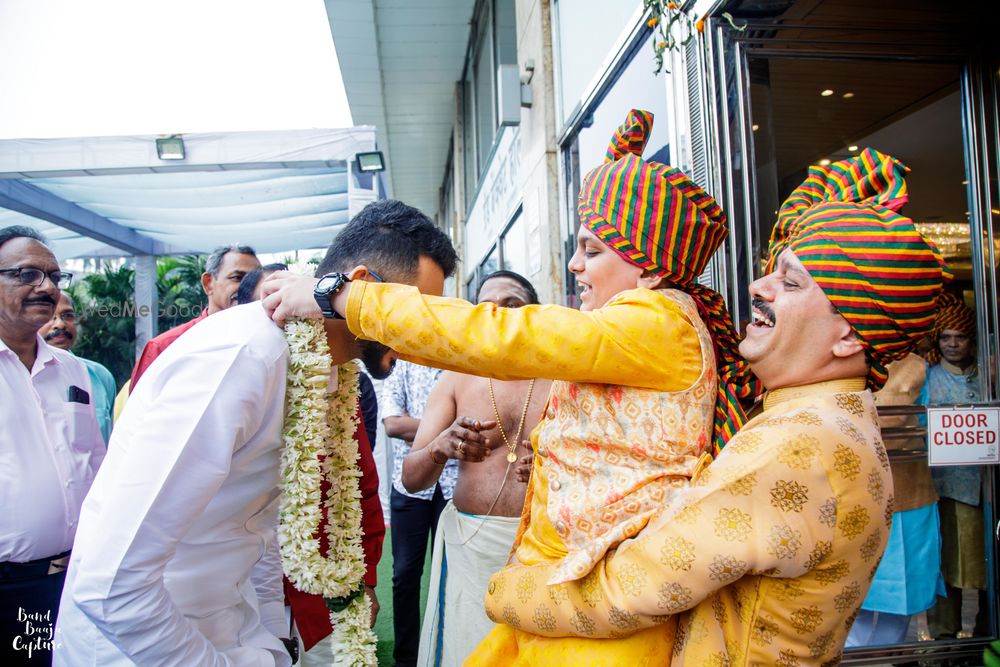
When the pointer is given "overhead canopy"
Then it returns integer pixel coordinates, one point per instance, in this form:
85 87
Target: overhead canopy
275 191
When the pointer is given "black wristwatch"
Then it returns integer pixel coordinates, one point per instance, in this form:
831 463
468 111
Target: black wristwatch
327 286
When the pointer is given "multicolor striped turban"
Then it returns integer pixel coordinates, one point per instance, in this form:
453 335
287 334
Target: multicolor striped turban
656 218
843 224
952 313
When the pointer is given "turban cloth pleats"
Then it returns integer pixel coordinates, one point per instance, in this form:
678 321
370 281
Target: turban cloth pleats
952 314
955 315
878 271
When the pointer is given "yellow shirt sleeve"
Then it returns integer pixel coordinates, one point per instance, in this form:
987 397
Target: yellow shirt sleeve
753 510
120 400
640 338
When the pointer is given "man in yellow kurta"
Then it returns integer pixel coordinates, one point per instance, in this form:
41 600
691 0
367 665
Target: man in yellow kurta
766 558
646 377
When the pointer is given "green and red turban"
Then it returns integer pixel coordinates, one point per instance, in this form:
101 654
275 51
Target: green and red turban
879 272
656 218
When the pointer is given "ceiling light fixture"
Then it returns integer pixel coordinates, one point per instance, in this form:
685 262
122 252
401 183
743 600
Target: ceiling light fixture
852 148
170 148
824 162
827 93
755 127
848 95
371 161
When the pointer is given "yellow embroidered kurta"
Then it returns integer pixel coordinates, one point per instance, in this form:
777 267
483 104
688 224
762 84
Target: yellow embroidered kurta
629 417
764 560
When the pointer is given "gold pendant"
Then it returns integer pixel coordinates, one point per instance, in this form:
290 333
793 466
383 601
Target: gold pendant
511 457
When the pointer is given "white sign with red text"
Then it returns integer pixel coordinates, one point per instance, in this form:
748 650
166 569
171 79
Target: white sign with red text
963 436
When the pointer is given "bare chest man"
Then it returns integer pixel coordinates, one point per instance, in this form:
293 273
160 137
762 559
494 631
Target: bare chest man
493 481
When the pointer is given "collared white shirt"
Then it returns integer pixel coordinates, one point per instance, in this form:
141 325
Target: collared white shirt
175 561
50 450
405 392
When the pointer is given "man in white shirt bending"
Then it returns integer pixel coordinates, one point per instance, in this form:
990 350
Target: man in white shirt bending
176 561
50 449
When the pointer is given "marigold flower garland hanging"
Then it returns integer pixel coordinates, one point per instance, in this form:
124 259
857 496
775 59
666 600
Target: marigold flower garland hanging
318 442
673 27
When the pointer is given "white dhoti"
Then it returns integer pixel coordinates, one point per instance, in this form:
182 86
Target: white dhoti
468 550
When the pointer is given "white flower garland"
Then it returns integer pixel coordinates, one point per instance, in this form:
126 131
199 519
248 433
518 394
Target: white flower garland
319 442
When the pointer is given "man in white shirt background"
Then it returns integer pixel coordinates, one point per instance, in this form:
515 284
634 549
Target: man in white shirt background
50 449
176 559
61 332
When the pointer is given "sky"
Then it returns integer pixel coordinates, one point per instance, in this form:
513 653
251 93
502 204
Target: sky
71 68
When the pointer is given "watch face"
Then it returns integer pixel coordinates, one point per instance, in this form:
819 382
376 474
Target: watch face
327 283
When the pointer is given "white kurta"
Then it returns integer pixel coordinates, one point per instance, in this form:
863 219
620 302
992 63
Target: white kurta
175 560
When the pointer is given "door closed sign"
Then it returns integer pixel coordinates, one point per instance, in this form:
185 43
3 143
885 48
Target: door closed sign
963 436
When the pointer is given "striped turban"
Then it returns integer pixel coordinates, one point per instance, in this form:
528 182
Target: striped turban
843 224
656 218
952 313
955 315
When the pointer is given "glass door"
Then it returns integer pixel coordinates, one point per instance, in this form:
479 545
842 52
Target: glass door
811 82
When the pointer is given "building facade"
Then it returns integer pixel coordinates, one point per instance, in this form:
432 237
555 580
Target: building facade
762 90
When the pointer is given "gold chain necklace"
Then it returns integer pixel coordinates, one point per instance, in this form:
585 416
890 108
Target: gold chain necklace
511 446
511 456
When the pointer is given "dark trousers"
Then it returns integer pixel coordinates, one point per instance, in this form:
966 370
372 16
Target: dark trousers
413 520
944 619
28 609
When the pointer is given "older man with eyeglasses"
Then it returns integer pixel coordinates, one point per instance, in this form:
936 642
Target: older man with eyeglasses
50 449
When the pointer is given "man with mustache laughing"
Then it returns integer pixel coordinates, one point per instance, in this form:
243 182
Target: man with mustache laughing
50 449
61 332
767 556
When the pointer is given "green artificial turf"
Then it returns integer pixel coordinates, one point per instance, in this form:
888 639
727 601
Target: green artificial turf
383 624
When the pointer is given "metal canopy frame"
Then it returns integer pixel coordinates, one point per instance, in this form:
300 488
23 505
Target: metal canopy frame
284 190
34 174
16 195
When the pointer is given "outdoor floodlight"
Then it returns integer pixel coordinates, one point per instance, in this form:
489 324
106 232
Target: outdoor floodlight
170 148
372 161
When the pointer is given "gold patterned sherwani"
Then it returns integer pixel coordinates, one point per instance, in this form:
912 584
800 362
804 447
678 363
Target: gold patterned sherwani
765 559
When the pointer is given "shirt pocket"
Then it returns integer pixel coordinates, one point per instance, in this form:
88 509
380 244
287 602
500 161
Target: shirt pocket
81 426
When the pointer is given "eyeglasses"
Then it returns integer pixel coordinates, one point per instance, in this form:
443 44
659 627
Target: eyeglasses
35 277
375 276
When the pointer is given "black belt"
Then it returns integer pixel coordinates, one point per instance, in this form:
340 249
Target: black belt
34 568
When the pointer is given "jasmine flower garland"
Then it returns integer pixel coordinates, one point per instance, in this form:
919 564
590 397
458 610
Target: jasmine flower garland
318 442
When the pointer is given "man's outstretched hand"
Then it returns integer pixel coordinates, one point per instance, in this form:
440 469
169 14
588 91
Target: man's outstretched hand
522 471
286 295
463 441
